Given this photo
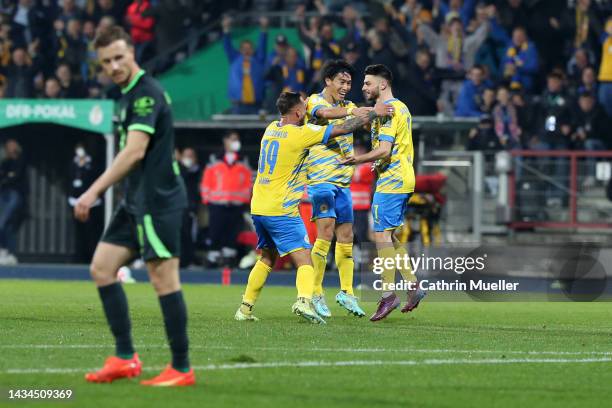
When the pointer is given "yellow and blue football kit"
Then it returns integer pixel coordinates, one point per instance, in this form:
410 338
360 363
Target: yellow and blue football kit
280 184
396 179
328 180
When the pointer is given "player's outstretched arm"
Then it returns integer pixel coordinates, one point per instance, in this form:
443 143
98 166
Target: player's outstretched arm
352 124
134 152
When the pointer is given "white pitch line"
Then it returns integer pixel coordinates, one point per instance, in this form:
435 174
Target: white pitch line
313 349
354 363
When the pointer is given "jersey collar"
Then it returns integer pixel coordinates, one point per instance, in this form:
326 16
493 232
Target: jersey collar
390 100
133 82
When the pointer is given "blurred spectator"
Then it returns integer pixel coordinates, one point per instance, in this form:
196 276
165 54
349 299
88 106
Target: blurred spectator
380 53
293 71
226 190
141 28
512 13
247 68
454 53
281 45
605 70
590 125
20 75
70 47
590 132
53 90
488 100
71 88
28 22
69 11
172 19
470 99
421 92
579 61
354 56
461 9
104 8
319 40
361 193
13 187
554 115
580 27
506 121
87 234
520 64
587 82
191 172
483 137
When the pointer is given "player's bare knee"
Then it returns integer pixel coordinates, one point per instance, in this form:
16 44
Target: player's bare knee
344 234
325 229
101 275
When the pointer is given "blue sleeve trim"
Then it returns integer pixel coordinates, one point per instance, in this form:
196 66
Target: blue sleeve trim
386 138
315 109
327 133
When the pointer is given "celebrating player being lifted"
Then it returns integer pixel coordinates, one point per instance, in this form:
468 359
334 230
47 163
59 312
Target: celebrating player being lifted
147 222
393 154
328 186
278 188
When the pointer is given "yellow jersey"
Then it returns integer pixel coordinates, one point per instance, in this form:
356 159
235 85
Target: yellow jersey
322 161
280 174
395 174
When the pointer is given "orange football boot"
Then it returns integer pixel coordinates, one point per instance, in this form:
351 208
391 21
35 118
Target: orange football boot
116 368
171 378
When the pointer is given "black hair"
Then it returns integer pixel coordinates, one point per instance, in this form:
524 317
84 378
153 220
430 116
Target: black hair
286 101
381 71
335 67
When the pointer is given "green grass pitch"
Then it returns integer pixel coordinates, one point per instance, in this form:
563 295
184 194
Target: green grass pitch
445 354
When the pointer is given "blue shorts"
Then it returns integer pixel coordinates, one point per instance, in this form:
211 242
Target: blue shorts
331 201
388 210
286 234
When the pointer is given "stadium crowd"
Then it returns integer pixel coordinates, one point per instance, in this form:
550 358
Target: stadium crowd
539 75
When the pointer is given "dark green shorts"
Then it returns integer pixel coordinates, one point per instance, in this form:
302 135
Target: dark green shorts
154 236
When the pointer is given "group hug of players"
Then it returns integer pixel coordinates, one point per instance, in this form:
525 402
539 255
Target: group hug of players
312 144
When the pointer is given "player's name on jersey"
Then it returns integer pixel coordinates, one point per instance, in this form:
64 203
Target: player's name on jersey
501 285
279 134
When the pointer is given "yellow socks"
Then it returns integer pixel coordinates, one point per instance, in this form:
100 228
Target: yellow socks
388 275
346 265
257 279
319 261
304 281
406 269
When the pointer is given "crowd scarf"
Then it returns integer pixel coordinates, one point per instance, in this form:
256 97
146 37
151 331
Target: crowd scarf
582 20
454 49
248 89
501 116
317 58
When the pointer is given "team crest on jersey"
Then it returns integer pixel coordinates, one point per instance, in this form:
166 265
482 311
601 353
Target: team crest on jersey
323 208
144 106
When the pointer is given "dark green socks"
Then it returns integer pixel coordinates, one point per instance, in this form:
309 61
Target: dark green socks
175 319
116 311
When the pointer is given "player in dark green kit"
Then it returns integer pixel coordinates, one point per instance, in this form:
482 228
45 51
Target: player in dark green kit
148 220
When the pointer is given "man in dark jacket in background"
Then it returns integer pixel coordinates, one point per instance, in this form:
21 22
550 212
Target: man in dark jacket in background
13 186
87 234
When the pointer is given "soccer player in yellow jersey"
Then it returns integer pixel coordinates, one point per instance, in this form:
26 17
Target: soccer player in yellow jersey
392 153
278 187
328 186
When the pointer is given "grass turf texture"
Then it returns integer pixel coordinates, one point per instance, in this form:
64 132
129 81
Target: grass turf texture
68 317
